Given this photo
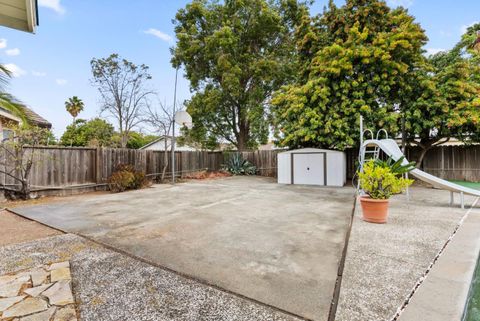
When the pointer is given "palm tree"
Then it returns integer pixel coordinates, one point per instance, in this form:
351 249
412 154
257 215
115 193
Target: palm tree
7 101
74 106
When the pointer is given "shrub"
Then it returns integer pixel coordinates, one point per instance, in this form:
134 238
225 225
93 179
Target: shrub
236 165
380 182
125 178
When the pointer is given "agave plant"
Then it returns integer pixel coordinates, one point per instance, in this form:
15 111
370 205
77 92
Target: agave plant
236 165
396 167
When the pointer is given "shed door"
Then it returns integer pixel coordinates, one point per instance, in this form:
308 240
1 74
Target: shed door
309 169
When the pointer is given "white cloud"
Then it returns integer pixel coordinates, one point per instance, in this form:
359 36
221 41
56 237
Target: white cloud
464 28
39 73
12 52
15 70
52 4
61 82
3 43
159 34
432 51
398 3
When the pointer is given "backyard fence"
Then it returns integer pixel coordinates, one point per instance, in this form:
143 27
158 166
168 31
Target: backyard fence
58 168
447 162
78 167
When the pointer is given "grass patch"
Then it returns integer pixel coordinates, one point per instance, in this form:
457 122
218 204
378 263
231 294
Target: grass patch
472 185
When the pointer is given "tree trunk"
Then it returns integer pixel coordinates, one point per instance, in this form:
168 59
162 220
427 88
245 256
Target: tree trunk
242 141
425 149
25 190
123 140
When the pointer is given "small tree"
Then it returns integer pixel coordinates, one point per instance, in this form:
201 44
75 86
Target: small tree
161 119
74 106
17 161
121 84
94 132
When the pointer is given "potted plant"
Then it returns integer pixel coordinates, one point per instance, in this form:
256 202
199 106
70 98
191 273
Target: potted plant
380 180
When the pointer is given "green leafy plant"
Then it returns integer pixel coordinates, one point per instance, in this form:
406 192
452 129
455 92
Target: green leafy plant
125 178
380 181
396 167
236 165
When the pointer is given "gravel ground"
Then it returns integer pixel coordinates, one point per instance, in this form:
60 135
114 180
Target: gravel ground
111 286
16 229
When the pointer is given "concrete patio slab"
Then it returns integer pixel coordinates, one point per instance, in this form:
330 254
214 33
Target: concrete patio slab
277 244
385 261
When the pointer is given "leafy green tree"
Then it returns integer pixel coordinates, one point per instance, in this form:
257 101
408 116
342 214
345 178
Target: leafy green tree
235 54
122 86
74 106
137 140
446 99
355 60
95 132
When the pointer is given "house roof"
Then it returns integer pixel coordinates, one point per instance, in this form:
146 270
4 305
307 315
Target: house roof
19 14
36 119
156 141
32 116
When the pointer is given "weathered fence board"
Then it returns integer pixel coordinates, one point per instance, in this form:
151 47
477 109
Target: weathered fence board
58 167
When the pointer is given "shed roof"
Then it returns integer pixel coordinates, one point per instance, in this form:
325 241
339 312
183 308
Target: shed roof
310 150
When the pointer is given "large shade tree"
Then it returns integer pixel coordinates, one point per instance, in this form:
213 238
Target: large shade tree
355 60
235 54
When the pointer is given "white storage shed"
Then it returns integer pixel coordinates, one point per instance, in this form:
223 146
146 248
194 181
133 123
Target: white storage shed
312 166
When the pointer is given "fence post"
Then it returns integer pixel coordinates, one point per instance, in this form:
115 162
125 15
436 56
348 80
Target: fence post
98 166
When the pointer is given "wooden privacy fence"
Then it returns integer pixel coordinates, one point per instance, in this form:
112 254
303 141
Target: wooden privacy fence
65 167
447 162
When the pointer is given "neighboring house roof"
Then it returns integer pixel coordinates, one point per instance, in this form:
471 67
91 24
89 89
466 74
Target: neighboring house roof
19 14
36 119
154 142
158 144
32 116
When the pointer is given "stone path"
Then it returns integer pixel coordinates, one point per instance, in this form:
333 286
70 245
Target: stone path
43 293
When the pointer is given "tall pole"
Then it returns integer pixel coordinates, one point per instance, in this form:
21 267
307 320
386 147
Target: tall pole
173 126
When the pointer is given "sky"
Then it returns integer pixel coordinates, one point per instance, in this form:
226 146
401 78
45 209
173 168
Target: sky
54 64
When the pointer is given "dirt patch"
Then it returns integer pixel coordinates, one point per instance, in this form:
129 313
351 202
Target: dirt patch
206 175
16 229
48 199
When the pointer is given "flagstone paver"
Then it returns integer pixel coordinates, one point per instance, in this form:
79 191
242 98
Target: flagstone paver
26 307
8 302
62 273
60 293
65 314
42 293
36 291
42 316
39 276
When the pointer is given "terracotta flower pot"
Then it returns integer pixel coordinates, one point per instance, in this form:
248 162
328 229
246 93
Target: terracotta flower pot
374 210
